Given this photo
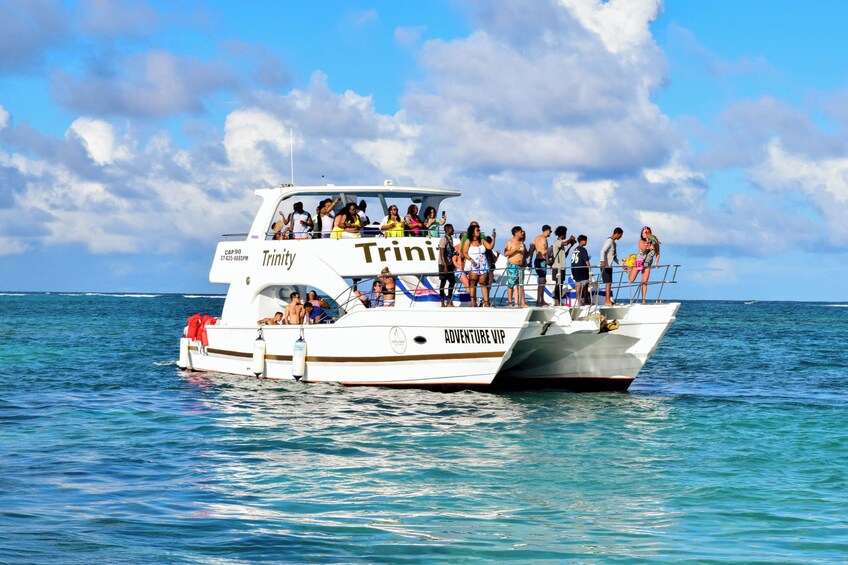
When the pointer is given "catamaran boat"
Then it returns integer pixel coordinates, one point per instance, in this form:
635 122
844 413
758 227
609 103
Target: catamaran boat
417 342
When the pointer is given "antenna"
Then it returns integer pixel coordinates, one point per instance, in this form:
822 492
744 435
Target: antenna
291 152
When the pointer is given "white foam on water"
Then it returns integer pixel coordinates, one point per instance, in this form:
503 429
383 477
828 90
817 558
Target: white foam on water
121 295
12 294
202 296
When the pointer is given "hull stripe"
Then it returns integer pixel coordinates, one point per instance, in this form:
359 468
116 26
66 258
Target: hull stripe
362 359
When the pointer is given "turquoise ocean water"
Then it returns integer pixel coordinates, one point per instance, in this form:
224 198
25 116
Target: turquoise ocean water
732 446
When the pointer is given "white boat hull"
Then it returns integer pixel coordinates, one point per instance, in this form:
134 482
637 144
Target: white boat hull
575 357
372 348
446 348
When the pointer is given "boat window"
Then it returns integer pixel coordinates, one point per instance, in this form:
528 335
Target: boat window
277 297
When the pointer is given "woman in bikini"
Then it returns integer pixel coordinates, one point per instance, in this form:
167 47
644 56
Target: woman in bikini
387 282
476 264
392 225
649 253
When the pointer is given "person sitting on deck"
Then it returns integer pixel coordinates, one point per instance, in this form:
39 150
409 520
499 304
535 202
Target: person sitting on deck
314 314
278 317
373 299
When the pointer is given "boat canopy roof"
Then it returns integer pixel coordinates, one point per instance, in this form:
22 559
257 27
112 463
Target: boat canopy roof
273 197
413 193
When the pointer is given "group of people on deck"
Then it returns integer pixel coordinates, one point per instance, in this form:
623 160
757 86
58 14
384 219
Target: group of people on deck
352 221
472 261
313 310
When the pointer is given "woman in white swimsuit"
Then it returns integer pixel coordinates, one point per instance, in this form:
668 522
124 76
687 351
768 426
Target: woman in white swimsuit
476 265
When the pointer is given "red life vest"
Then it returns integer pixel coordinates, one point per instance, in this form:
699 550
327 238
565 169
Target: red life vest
206 321
193 326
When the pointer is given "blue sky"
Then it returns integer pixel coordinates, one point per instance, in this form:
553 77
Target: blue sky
133 133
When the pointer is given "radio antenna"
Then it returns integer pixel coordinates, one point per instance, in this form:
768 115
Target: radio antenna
291 153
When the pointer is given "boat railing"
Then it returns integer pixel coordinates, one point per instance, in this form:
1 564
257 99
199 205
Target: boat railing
421 288
369 232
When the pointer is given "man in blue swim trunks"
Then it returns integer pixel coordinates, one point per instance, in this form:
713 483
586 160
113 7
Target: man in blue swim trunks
515 252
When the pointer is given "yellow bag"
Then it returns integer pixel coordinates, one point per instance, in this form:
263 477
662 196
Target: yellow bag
631 260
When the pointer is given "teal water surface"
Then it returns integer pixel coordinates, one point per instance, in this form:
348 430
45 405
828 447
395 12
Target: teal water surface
732 446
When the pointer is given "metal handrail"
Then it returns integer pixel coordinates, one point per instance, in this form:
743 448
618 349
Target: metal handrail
666 275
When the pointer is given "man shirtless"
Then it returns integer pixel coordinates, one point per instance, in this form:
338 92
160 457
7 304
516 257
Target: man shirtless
515 252
270 321
540 263
294 311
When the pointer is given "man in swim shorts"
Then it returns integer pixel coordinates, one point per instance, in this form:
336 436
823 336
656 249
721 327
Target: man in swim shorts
515 252
609 259
540 248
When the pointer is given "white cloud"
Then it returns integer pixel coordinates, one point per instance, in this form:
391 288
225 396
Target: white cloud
4 117
622 25
98 137
533 88
247 133
822 182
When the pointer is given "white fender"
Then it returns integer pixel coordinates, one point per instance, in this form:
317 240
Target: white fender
299 358
185 357
258 365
